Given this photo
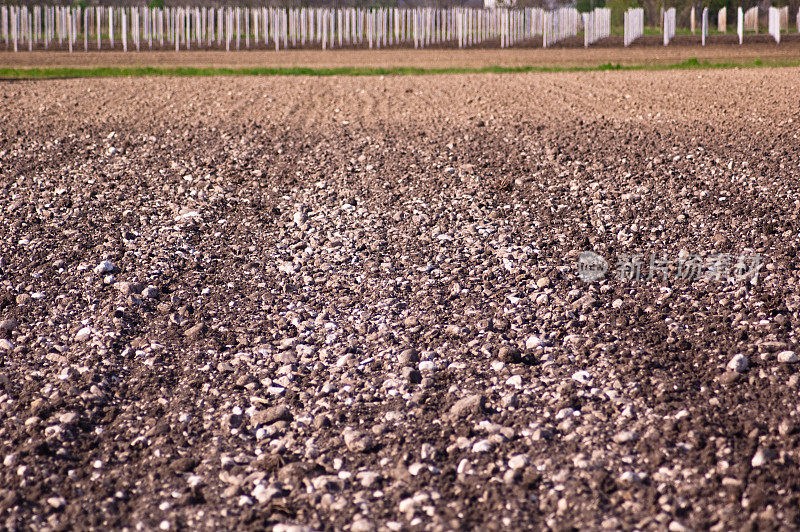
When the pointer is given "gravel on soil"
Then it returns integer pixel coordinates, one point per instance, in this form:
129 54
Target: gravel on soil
354 303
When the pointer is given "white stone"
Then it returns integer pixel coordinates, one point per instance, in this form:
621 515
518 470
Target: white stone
564 413
583 377
482 446
625 436
426 366
287 267
518 462
362 525
57 502
415 468
68 418
83 334
759 459
406 505
787 357
628 477
738 363
677 526
516 380
368 478
533 342
105 267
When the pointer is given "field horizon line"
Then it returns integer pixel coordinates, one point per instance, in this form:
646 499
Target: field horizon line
26 73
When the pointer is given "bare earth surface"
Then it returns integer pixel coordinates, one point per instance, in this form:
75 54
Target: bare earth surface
648 50
353 303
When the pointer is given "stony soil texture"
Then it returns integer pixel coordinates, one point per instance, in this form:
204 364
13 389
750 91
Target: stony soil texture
354 303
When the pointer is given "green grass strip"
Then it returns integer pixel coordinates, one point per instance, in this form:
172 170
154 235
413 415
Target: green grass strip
113 72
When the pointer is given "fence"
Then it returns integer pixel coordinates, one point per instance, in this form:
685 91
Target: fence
634 25
740 25
515 25
751 19
560 24
669 25
775 23
243 27
704 27
722 20
596 25
69 27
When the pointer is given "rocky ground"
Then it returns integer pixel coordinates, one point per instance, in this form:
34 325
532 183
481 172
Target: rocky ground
355 303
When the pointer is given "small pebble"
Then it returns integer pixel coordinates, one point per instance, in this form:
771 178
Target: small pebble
358 442
68 418
625 436
518 461
362 525
762 456
426 366
738 364
57 502
8 325
408 356
105 266
84 334
533 342
151 292
482 446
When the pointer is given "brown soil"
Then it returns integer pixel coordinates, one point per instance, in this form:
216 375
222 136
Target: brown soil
324 297
646 51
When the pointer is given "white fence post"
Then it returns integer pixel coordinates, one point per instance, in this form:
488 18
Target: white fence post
124 30
704 26
634 25
669 25
775 24
23 26
70 28
740 25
